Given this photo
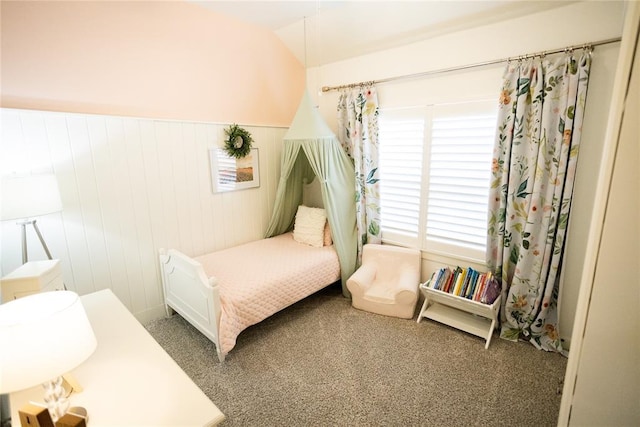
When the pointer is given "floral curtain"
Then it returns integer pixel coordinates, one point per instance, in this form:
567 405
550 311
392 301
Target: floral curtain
534 163
358 134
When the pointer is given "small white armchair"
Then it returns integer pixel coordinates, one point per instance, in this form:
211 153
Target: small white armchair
387 281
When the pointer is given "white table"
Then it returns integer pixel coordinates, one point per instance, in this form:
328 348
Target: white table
130 380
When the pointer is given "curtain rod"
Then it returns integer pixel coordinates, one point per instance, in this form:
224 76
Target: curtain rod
465 67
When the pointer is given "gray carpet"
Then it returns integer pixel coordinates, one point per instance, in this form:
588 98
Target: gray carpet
321 362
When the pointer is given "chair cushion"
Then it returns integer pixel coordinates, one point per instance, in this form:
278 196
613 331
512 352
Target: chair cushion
380 293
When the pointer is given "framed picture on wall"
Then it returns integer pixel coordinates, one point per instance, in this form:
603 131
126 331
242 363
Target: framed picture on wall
230 174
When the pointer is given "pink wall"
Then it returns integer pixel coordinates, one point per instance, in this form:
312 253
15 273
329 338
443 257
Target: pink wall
161 59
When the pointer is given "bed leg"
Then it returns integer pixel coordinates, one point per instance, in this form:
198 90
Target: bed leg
220 355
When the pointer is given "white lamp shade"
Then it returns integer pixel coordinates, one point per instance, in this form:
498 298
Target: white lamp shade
29 196
42 336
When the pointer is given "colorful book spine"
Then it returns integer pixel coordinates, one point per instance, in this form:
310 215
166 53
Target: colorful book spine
472 283
460 282
466 283
479 287
434 278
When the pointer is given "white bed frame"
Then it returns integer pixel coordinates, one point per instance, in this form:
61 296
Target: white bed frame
193 295
196 297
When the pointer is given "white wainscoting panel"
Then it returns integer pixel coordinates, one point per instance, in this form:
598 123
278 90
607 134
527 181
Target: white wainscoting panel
129 187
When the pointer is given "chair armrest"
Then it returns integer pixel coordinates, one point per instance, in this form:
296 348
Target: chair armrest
361 279
408 282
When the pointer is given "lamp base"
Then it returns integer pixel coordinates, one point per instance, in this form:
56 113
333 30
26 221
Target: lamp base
76 417
55 397
34 416
70 384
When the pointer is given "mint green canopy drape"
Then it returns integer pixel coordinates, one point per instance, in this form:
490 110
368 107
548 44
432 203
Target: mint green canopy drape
312 150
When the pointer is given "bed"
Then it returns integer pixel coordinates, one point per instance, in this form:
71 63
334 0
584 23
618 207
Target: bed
224 292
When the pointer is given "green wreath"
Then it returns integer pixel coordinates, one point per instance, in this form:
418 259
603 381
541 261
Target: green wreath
238 142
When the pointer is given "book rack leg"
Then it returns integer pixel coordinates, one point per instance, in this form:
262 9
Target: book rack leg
490 334
422 310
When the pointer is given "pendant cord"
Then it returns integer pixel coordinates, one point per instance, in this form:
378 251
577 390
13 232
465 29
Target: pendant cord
304 29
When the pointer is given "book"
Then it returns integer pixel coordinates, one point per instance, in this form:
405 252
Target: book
487 278
446 280
491 292
452 280
444 277
434 278
465 284
472 284
479 287
459 282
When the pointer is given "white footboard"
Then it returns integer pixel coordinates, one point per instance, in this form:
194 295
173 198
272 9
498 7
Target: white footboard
188 291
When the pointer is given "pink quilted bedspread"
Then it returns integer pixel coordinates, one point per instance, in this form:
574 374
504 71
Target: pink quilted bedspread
260 278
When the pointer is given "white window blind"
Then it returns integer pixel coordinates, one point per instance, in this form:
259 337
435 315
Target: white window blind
401 137
461 146
435 169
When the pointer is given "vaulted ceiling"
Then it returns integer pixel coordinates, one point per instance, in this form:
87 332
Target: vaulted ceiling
320 32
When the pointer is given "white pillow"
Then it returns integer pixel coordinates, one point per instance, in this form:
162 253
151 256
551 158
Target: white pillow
328 241
308 227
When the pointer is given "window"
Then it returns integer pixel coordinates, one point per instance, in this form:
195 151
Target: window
400 162
435 169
